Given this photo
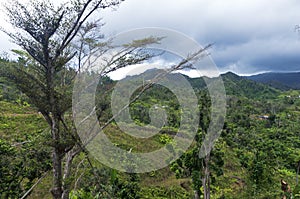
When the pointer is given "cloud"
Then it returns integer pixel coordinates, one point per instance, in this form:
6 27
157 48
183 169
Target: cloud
248 36
138 69
274 54
253 35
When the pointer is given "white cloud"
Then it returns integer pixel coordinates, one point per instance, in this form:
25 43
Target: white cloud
249 34
139 69
254 35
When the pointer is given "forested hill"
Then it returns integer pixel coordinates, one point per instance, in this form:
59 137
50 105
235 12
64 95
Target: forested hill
237 85
234 85
240 86
282 81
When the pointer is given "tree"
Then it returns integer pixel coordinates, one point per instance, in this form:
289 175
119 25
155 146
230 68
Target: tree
57 41
201 169
52 38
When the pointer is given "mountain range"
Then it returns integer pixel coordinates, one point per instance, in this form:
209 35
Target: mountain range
282 81
266 85
240 86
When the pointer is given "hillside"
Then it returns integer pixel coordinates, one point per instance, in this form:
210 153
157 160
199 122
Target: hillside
233 83
237 85
24 151
282 81
240 86
259 145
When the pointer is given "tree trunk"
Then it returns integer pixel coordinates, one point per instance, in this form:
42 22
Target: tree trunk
206 177
57 189
57 175
56 160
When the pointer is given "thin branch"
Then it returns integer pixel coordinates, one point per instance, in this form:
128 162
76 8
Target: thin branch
76 173
33 186
76 27
20 143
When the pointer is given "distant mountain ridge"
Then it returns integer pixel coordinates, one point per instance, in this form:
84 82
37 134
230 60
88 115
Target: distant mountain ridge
262 86
234 84
241 86
282 81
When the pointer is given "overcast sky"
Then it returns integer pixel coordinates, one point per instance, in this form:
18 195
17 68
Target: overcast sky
249 36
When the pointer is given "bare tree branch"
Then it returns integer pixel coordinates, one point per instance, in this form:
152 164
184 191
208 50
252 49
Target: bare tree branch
33 186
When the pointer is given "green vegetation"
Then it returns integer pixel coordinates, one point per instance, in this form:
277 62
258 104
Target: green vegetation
41 155
24 156
282 81
258 147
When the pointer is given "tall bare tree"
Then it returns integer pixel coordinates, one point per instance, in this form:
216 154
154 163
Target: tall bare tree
53 37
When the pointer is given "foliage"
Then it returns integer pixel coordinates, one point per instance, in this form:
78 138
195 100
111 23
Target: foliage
259 145
52 37
23 155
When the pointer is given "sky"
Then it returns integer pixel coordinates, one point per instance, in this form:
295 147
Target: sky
248 36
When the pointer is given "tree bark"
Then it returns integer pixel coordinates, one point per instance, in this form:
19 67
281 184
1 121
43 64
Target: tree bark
206 177
56 161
